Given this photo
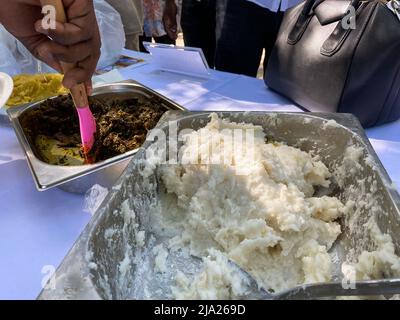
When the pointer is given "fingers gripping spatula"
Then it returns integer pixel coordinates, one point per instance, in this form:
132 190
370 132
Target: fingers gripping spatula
87 122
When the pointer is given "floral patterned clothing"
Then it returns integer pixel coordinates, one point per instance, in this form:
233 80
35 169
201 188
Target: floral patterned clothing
153 17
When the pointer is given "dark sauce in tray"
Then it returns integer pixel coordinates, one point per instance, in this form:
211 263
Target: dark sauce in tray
122 126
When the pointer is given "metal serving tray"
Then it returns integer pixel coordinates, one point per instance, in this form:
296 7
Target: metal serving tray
78 179
92 270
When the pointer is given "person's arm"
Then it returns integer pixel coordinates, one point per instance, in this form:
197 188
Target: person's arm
170 20
77 41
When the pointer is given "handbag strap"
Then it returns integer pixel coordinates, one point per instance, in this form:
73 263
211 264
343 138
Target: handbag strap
340 34
306 14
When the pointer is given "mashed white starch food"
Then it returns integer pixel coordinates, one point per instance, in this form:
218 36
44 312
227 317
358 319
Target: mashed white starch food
217 281
266 220
379 264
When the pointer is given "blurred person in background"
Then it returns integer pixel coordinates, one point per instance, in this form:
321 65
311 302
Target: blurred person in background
131 12
202 22
250 26
160 22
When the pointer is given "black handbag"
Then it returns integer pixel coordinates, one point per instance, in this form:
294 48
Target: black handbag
324 64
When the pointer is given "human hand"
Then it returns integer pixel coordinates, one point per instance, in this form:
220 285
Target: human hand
77 41
169 19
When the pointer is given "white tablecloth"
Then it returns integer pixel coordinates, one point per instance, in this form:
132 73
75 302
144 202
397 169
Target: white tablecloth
37 229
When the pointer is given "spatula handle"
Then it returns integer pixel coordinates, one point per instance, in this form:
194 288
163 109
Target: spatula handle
78 92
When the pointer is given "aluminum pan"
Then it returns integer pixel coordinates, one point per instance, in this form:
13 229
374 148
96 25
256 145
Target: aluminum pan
79 179
76 280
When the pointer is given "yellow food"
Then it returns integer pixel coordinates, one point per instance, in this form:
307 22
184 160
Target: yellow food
32 88
53 153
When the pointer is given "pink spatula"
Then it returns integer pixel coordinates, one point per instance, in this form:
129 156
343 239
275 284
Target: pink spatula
87 122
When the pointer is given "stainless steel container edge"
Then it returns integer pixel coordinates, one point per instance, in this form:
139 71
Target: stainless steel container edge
79 179
75 279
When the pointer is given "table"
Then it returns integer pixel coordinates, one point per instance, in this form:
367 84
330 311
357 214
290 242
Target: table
37 229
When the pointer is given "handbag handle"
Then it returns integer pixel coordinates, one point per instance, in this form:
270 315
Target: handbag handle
307 13
310 5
